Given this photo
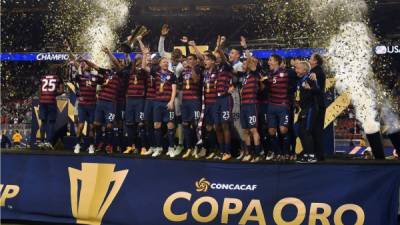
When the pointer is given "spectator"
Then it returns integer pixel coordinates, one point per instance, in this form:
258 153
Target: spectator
17 137
5 140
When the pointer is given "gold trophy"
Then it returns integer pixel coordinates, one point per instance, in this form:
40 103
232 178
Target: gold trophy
208 87
127 45
135 80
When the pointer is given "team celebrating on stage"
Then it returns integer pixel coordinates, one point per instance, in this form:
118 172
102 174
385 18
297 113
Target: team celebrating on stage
180 105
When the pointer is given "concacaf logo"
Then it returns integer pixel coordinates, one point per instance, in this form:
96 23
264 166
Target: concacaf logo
202 185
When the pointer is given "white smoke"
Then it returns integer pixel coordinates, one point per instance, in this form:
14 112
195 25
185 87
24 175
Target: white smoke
102 31
350 57
390 118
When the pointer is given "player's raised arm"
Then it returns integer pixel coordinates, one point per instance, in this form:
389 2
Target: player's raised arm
197 51
164 33
112 58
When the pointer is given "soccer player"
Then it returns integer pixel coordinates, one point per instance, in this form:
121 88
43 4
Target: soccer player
249 111
224 101
106 104
190 101
135 102
278 108
210 99
51 86
163 112
307 89
87 83
175 65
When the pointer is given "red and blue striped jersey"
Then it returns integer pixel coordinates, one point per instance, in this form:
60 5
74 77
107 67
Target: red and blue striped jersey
224 80
48 88
137 84
190 86
210 86
278 87
110 87
87 88
250 87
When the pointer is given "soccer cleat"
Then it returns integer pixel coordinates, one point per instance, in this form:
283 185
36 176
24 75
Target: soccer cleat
143 151
149 152
246 158
187 153
201 153
226 156
109 149
211 155
91 149
99 147
157 152
48 146
302 159
270 156
256 159
77 148
312 159
218 156
40 145
241 155
172 150
178 150
129 150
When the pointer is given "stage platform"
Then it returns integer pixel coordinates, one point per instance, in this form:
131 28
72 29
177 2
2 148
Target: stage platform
62 187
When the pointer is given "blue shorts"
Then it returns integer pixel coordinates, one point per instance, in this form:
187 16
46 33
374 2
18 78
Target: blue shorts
86 113
190 110
209 114
278 115
249 116
48 112
263 113
148 110
161 113
134 111
119 112
224 109
105 112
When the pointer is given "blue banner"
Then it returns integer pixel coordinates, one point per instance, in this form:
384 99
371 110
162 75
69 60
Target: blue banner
112 190
62 56
47 56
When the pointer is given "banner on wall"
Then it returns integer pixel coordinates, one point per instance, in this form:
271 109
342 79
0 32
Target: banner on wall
107 190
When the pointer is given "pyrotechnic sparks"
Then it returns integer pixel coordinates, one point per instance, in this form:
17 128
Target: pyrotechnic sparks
95 27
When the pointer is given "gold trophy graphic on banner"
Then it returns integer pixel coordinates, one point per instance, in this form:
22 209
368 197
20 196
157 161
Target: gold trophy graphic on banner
90 203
